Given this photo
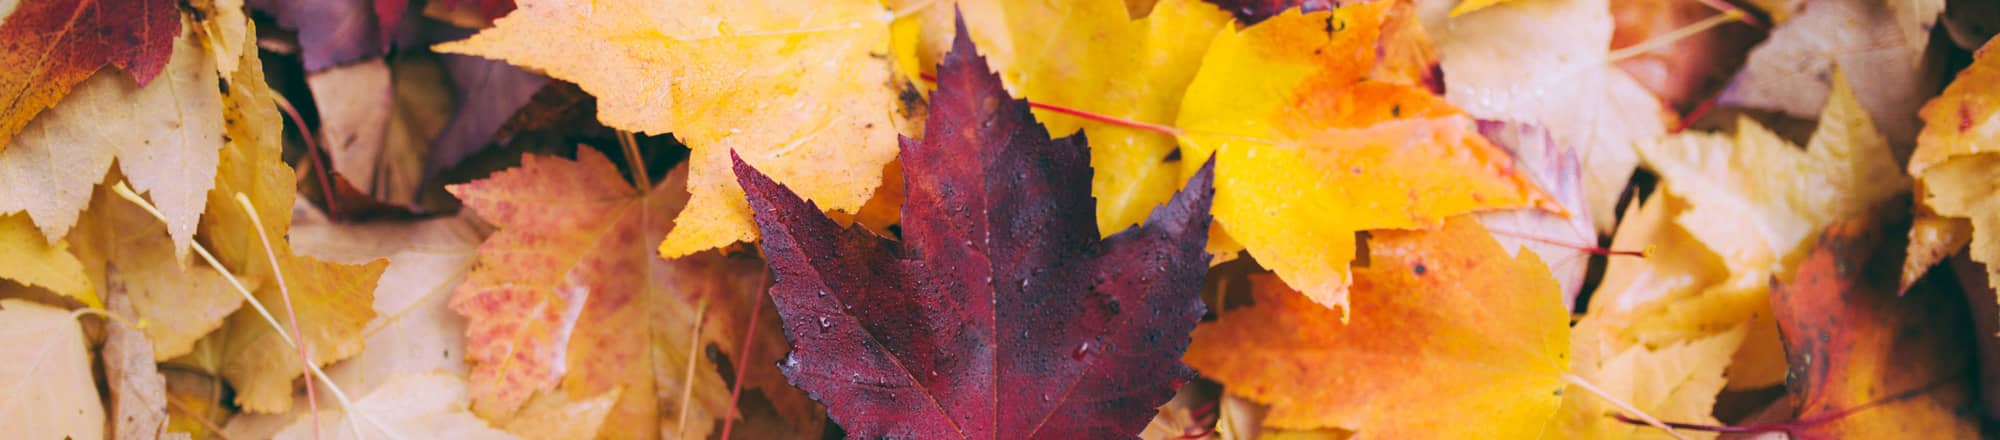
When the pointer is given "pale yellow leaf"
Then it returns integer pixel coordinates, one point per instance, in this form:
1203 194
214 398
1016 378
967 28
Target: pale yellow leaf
46 390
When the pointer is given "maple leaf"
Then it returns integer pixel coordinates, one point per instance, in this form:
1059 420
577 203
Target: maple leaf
803 92
1790 71
488 93
1436 313
1681 69
119 244
336 32
1954 171
331 300
1756 201
1559 241
1098 62
27 259
949 333
1506 64
1677 381
166 133
46 390
54 45
1866 362
569 292
405 406
1287 110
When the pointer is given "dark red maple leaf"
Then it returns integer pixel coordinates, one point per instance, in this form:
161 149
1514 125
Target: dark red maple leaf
1002 314
51 45
1249 12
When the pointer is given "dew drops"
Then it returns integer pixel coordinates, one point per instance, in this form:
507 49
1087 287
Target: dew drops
1081 351
822 294
824 324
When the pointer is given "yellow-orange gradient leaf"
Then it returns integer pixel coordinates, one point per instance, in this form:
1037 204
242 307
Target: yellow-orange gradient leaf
1309 152
800 90
1451 338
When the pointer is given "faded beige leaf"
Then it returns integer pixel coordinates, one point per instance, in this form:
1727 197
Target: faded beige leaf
406 406
120 244
165 134
138 391
46 390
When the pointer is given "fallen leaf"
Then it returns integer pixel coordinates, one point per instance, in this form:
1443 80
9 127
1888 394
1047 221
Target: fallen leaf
1562 242
1866 362
1677 381
195 404
26 258
553 416
119 244
138 391
803 92
165 133
1682 70
336 32
331 300
1756 201
488 93
378 119
405 406
1286 110
1507 64
1443 321
1954 166
1792 71
568 296
54 45
944 334
474 14
414 331
46 378
1103 63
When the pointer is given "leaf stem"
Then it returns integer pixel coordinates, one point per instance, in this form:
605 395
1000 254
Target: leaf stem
1675 36
313 155
1090 116
634 162
125 191
1594 250
1621 404
1801 424
743 363
284 292
687 379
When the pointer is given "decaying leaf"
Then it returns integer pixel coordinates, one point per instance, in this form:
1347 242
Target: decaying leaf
138 391
1866 362
1443 320
1561 241
803 92
46 390
1002 314
54 45
1308 151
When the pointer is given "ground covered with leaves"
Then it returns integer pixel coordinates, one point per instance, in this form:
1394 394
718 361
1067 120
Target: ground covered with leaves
999 219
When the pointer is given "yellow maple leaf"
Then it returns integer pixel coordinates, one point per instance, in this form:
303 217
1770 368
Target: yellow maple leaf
1309 152
802 91
332 301
1677 382
1444 321
119 243
405 406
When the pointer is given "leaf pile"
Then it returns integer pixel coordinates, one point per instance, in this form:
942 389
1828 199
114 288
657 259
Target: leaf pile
1163 219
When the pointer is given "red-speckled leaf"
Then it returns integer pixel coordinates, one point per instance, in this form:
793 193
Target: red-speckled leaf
1002 315
49 46
1866 363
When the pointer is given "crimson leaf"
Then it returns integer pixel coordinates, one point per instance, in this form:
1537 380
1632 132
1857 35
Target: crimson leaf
1002 314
